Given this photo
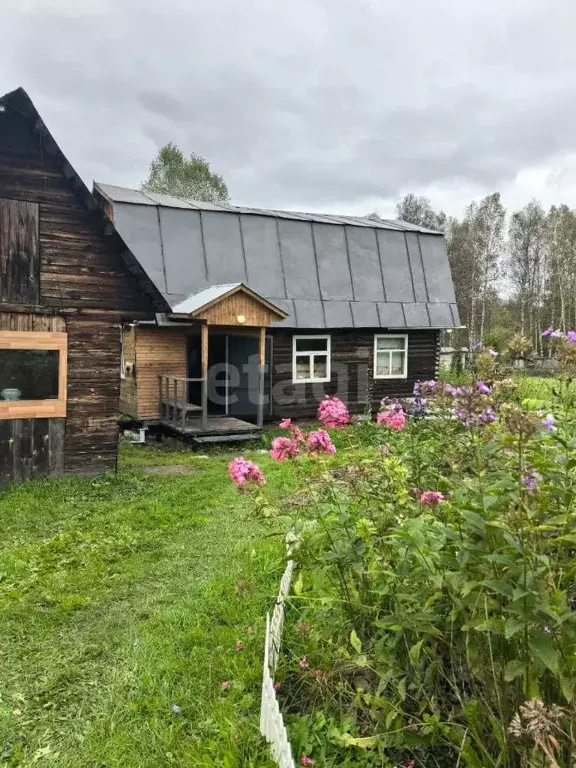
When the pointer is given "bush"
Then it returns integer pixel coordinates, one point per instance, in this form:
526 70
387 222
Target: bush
439 629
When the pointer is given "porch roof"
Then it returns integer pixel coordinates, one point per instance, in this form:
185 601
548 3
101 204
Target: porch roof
215 293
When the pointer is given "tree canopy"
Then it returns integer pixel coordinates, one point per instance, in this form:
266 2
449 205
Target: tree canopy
171 173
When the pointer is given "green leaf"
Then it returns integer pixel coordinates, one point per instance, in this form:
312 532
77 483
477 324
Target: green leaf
414 652
502 587
299 584
542 646
364 742
512 626
475 520
355 641
513 670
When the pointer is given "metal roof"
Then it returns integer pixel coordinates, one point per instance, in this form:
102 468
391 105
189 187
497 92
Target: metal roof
198 300
325 271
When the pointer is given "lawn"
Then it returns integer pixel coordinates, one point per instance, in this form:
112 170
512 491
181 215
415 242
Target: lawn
122 600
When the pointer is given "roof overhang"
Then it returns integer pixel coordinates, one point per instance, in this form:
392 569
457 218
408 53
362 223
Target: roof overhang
235 299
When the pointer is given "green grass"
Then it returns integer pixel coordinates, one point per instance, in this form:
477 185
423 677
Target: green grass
123 596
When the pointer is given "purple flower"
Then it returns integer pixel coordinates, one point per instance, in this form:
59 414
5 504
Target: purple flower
549 423
483 388
547 332
557 334
530 480
492 352
571 337
477 345
487 415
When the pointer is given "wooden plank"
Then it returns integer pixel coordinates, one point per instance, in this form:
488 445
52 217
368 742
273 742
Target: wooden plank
19 252
261 366
6 452
40 436
56 446
204 370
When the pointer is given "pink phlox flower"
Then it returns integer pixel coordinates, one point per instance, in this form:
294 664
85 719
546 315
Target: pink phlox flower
243 472
320 442
224 685
285 424
318 674
431 498
276 686
239 645
333 413
394 419
305 760
492 352
284 448
557 334
483 388
547 332
298 435
571 337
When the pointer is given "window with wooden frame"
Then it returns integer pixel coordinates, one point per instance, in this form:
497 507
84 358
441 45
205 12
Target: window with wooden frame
390 356
310 359
33 368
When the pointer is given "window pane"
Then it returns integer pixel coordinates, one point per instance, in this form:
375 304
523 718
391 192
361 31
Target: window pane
311 345
390 343
320 367
397 363
28 374
302 368
383 364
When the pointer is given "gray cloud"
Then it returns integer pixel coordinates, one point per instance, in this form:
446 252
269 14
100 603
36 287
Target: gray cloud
308 103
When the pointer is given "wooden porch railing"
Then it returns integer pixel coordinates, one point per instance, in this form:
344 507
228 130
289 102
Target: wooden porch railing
174 405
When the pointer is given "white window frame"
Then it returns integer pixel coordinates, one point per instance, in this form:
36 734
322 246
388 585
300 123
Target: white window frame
311 355
404 374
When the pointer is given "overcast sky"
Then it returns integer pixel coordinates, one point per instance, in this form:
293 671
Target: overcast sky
335 105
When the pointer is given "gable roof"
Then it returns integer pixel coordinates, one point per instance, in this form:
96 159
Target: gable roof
215 293
21 102
325 271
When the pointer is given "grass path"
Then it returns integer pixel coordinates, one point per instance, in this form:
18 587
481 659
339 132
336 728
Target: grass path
122 598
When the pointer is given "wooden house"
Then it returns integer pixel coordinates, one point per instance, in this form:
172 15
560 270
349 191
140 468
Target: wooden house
272 310
67 285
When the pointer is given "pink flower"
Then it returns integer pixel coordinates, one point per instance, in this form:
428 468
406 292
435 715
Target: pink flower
284 448
431 498
320 442
318 674
243 472
239 645
483 388
571 337
305 760
285 424
333 413
393 419
224 685
276 686
303 662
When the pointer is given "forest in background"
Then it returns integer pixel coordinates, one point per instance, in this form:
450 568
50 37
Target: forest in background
514 273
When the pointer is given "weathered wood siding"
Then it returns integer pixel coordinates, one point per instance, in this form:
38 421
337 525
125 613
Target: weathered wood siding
19 252
227 311
352 372
158 352
60 271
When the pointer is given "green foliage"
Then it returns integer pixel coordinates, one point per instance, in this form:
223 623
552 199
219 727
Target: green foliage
171 173
444 634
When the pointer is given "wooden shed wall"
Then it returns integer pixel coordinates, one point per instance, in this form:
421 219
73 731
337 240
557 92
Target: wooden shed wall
158 352
128 401
351 375
67 275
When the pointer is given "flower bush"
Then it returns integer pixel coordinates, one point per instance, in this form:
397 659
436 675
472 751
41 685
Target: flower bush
433 621
333 413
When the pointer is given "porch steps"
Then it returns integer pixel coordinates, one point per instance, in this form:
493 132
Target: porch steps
233 438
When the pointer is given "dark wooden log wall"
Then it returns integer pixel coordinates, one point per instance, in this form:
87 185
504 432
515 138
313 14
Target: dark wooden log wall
351 375
76 277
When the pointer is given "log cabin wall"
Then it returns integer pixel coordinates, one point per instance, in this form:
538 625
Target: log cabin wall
352 353
128 402
59 270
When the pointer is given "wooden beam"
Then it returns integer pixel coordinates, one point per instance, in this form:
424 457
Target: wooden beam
204 364
261 364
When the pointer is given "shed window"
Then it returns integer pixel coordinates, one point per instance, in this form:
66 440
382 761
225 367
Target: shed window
390 356
310 358
32 374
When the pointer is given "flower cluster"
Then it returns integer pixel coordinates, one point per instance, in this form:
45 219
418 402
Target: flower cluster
472 405
243 472
557 334
391 418
479 347
319 442
333 413
530 480
284 448
431 498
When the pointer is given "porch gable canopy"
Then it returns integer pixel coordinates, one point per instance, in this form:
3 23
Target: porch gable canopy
230 304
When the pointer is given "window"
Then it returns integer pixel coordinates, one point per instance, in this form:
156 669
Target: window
32 374
310 358
390 357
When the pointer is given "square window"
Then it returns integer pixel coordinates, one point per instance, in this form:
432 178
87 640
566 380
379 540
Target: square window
390 356
311 358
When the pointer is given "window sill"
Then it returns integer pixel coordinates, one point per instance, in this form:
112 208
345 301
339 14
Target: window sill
404 377
32 409
310 381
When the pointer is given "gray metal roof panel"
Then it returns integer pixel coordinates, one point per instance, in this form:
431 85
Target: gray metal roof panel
365 314
440 315
288 306
124 195
167 200
437 268
309 313
183 249
365 264
416 266
395 266
416 315
139 228
262 252
223 247
455 314
338 314
391 314
200 299
298 259
333 264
